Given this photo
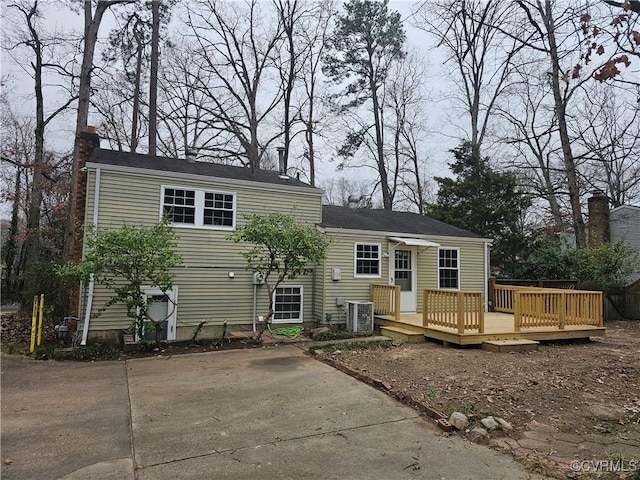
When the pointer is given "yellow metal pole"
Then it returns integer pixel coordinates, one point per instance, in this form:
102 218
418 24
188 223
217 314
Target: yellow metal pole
34 315
40 319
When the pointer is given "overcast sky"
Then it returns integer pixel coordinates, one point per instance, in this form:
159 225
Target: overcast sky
56 15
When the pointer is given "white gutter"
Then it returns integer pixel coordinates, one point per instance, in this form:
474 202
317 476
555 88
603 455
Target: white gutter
87 313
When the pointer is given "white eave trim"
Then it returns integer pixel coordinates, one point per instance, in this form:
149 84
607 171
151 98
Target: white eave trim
360 233
414 242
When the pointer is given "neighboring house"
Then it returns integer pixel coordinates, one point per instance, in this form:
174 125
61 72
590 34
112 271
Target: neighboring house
207 201
624 227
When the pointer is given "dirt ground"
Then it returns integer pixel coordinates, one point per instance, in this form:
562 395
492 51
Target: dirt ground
567 402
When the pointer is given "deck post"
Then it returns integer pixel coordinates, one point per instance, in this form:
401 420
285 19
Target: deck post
517 320
562 311
461 301
481 314
492 295
425 307
396 302
600 310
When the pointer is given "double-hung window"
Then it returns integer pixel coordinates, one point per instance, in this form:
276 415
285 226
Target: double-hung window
287 304
180 205
449 268
367 260
199 208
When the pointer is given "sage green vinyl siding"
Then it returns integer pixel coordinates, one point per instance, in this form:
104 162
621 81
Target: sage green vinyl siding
206 290
341 255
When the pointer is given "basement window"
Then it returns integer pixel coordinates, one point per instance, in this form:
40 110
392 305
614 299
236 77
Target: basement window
287 304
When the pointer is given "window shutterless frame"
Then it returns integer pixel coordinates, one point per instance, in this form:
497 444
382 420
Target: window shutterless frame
367 260
288 304
449 268
198 208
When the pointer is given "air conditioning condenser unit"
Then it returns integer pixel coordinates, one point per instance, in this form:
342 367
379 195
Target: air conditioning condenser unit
359 316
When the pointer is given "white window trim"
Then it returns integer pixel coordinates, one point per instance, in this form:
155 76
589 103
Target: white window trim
199 206
289 320
457 249
355 260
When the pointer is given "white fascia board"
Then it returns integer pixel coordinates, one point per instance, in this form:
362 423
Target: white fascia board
434 238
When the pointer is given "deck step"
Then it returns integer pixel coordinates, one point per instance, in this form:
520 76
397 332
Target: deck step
402 334
515 345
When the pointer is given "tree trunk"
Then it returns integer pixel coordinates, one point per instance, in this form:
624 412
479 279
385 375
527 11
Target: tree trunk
560 109
35 202
91 27
135 114
11 248
387 201
153 81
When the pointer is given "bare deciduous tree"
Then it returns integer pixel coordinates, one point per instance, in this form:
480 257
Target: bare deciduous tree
556 34
479 52
236 44
92 21
41 47
531 130
406 122
368 39
609 136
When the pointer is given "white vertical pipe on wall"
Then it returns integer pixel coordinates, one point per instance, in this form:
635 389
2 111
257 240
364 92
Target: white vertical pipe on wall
87 313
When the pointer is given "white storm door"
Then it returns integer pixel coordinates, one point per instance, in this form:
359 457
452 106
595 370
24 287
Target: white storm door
405 275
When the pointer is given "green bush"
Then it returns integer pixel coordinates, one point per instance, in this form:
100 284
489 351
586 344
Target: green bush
608 265
42 277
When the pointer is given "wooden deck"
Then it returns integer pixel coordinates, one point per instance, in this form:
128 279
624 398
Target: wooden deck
497 326
522 313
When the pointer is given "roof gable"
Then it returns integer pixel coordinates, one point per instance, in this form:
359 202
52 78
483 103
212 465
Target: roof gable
388 221
205 169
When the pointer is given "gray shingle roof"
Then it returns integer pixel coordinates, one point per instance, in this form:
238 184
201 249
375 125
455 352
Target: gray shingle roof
176 165
388 221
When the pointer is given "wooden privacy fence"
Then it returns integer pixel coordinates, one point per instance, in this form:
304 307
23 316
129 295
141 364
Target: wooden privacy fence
453 309
386 300
548 307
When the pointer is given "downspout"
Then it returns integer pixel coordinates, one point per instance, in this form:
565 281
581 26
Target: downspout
255 289
313 296
87 313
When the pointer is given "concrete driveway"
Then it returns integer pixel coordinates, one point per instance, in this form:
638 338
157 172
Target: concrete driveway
263 413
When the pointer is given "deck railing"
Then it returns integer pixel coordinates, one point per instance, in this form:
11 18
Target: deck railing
386 300
503 296
453 309
547 307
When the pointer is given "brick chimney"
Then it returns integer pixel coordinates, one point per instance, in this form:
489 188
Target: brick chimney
598 205
88 142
